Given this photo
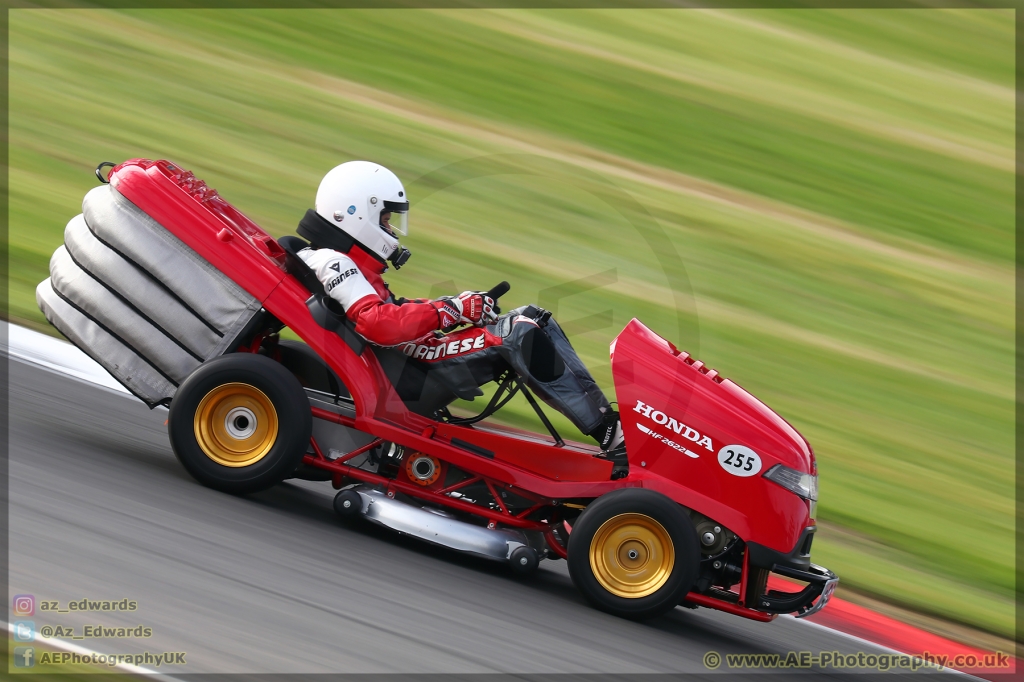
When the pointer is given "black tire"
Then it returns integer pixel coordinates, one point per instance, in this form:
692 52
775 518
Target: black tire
310 369
625 525
221 402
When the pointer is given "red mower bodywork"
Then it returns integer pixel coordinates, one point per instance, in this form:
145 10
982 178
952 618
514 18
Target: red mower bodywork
680 421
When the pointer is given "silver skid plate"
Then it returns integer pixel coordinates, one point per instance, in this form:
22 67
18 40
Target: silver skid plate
439 528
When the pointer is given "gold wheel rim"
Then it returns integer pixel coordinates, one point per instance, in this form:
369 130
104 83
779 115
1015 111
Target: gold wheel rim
236 425
632 555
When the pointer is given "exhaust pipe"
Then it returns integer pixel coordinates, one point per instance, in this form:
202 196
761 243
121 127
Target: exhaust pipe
437 527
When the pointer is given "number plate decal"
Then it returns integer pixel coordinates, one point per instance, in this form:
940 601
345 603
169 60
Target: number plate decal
739 460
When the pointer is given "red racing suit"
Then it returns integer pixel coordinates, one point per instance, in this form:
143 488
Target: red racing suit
453 365
354 280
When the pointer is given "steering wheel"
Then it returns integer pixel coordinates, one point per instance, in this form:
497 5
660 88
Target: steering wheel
499 290
496 292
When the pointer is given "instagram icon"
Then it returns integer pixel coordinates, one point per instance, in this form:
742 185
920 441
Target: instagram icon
24 604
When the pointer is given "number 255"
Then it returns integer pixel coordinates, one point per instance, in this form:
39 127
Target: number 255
737 461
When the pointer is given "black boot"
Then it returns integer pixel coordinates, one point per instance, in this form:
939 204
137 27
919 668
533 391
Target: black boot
609 436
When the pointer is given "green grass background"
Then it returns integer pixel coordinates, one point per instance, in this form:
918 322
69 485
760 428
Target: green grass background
837 186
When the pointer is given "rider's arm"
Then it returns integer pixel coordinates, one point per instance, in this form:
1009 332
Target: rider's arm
379 322
388 324
394 321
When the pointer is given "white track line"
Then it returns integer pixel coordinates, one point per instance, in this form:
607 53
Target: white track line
57 356
81 650
61 357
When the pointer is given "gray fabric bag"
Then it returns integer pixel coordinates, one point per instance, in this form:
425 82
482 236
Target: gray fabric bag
137 299
135 373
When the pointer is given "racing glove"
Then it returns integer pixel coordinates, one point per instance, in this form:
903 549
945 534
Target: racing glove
449 312
477 308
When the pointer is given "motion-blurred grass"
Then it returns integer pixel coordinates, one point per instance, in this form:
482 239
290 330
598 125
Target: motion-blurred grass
838 186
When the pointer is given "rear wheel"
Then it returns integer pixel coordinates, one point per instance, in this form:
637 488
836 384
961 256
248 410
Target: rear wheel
634 553
240 423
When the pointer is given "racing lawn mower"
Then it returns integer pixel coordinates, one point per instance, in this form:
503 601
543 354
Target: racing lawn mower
182 298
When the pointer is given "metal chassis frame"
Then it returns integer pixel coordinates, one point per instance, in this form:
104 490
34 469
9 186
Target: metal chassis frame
502 515
342 472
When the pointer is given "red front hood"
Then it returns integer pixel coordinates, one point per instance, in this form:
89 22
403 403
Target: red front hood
692 408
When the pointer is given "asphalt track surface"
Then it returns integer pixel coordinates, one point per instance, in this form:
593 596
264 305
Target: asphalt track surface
273 582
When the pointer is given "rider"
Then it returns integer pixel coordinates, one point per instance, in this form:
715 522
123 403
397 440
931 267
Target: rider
361 208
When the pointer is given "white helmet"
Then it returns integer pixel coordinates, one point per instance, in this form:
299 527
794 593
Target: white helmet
356 195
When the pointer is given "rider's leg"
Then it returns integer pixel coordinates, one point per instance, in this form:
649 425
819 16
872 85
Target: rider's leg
539 351
456 364
608 433
431 372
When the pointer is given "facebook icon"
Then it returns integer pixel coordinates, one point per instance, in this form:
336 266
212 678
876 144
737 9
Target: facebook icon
24 630
24 656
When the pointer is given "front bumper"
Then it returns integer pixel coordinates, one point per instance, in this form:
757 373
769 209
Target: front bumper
799 557
821 583
796 564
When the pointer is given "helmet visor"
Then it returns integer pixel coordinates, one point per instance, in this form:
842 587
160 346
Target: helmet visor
394 217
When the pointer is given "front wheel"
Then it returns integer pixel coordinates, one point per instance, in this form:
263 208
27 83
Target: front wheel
634 553
240 423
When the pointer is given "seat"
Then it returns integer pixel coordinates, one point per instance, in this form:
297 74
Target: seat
421 393
323 308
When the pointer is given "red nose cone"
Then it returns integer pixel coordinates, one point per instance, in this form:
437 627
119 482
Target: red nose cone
693 410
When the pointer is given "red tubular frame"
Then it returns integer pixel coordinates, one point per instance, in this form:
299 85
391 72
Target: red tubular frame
329 416
735 609
744 578
555 545
393 485
344 458
461 484
343 471
504 516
